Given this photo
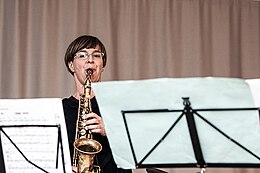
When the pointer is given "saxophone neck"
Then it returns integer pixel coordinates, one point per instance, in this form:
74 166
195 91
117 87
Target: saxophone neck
87 86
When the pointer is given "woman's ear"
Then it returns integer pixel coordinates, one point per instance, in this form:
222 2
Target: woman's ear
102 69
71 66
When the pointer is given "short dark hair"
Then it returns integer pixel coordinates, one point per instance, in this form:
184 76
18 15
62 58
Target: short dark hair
84 41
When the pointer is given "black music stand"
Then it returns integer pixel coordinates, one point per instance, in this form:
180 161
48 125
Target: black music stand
149 125
33 136
59 147
201 162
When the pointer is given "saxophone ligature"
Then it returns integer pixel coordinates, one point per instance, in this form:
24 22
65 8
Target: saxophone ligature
85 147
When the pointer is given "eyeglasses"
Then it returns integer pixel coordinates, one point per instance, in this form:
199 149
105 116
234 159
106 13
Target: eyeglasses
86 55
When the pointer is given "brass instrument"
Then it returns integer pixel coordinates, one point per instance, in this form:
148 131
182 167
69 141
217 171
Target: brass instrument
85 147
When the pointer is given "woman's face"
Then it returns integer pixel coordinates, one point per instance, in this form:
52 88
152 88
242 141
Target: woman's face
87 59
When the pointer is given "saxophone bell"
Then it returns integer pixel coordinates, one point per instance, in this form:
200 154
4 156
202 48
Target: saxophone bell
87 149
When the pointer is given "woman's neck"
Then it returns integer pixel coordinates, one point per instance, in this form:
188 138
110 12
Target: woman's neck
80 90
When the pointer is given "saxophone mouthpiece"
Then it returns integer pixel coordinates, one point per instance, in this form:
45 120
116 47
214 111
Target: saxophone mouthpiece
89 71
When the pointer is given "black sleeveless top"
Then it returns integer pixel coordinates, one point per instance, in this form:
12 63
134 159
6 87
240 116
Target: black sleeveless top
104 158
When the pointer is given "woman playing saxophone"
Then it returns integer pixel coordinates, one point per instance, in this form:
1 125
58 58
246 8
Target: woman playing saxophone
88 52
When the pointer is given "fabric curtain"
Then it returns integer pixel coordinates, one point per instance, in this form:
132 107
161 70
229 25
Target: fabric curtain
144 39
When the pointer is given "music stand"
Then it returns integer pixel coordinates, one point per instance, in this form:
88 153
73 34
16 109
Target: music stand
190 114
33 136
59 146
162 137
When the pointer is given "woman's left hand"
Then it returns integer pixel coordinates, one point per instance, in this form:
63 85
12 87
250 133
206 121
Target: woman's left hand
95 124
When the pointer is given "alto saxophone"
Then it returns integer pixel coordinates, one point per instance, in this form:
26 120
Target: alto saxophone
85 147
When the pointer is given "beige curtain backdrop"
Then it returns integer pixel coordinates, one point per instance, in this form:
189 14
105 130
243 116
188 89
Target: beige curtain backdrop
144 39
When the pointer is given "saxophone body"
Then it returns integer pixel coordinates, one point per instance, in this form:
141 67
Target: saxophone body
85 147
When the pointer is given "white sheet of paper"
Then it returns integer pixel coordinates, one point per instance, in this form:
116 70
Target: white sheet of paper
255 88
37 144
167 93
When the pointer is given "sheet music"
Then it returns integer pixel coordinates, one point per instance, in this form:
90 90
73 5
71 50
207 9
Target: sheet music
255 89
37 144
167 94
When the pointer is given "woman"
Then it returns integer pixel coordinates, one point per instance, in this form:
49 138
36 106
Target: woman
88 52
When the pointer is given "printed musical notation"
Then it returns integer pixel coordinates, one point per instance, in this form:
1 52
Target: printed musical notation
30 135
